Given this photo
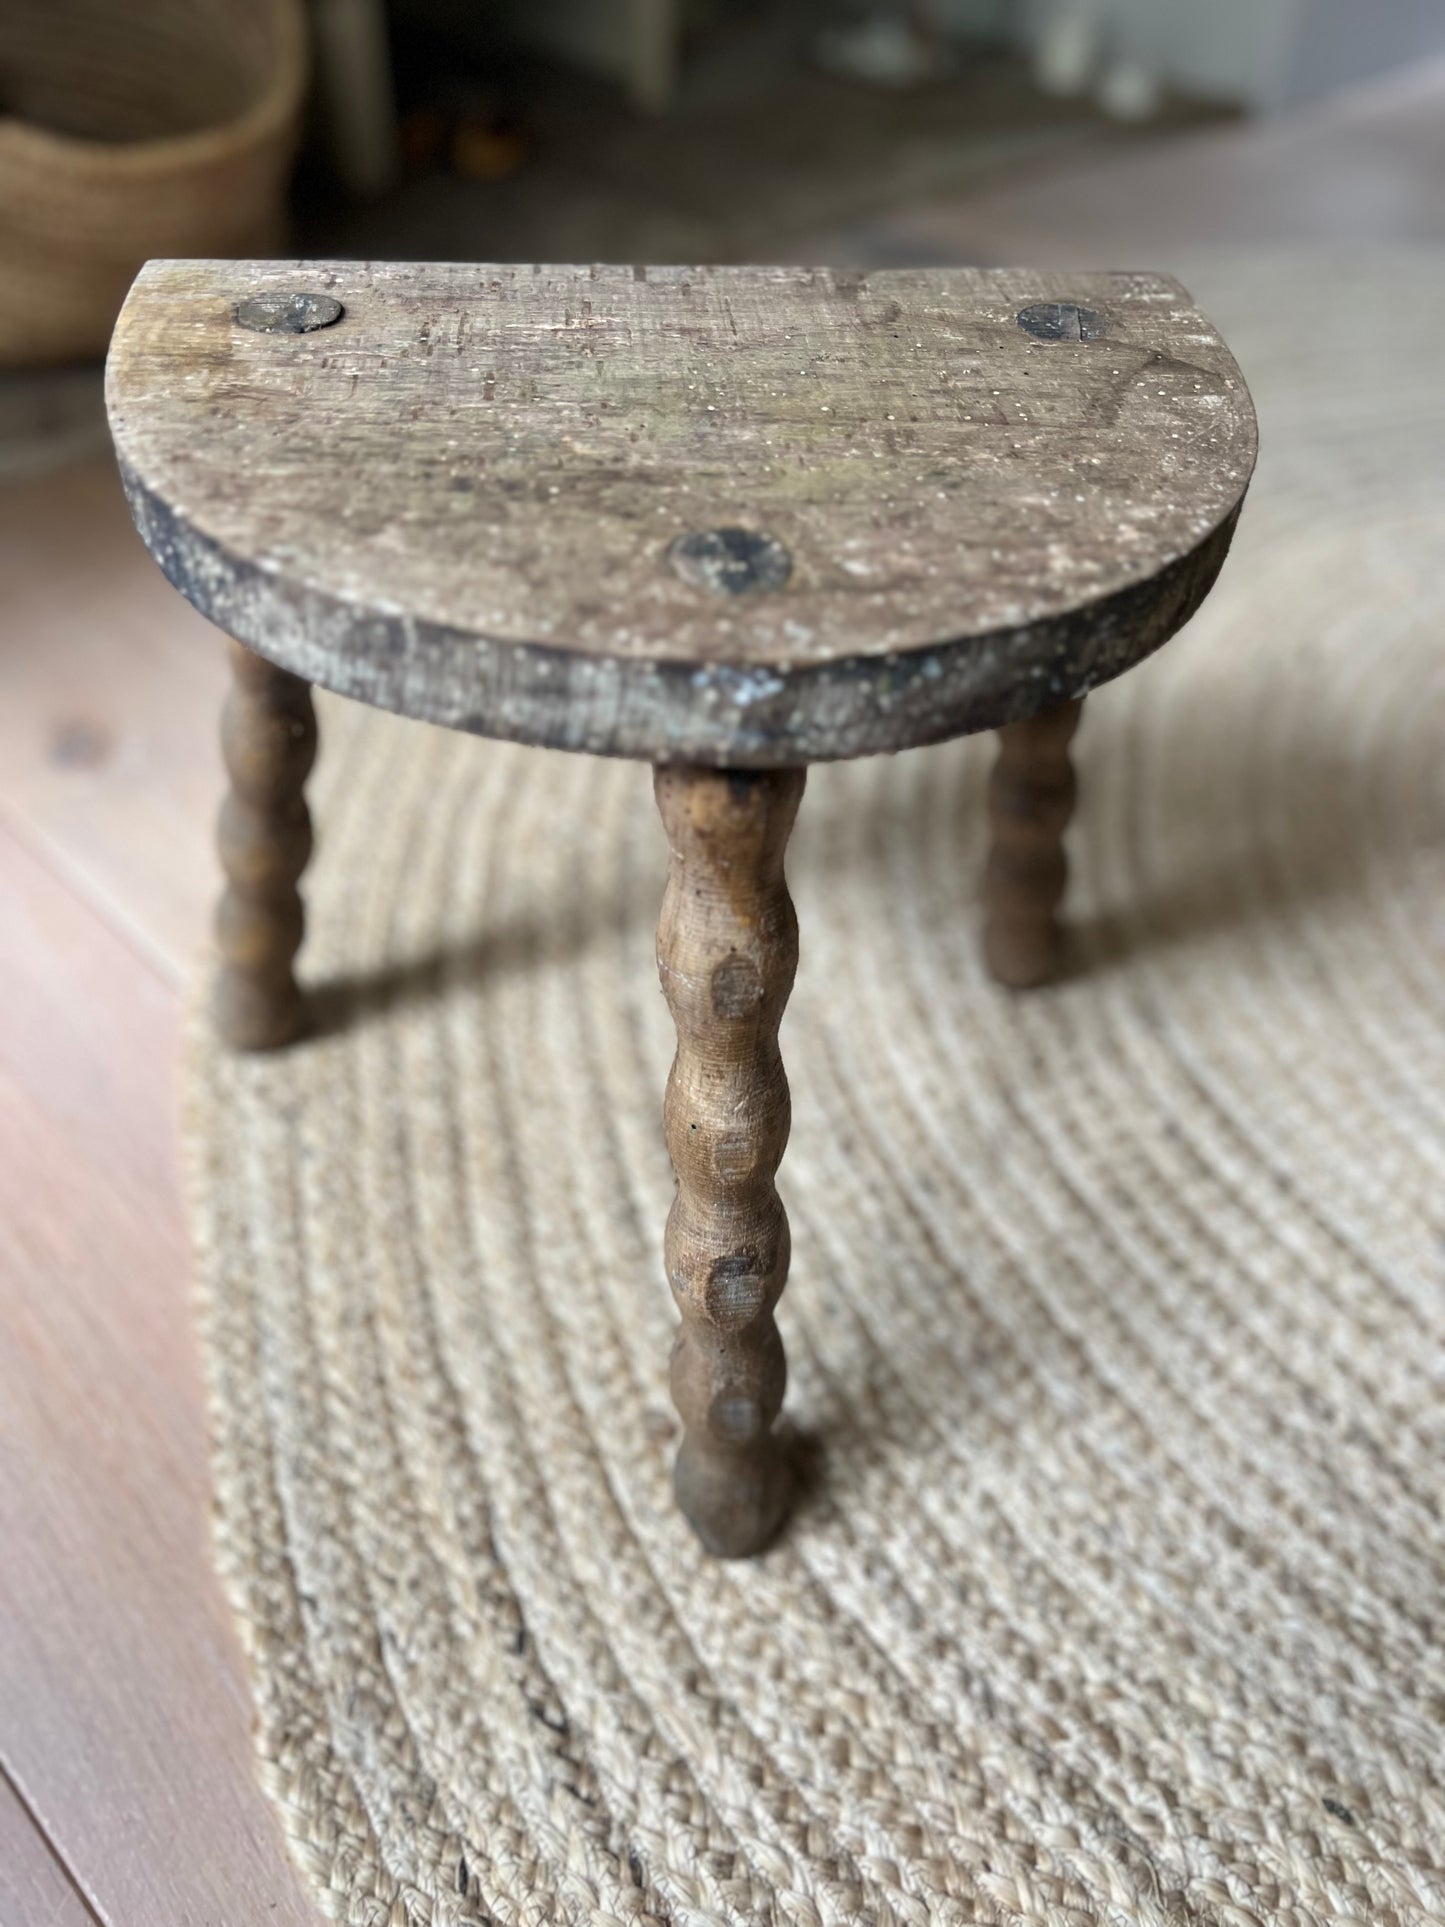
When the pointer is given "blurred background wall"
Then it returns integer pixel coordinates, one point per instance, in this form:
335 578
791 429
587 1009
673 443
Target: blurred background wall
1254 52
862 132
1259 53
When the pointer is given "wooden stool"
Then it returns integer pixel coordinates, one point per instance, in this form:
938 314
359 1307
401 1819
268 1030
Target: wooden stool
733 521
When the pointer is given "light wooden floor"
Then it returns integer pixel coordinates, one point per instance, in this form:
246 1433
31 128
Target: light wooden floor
126 1792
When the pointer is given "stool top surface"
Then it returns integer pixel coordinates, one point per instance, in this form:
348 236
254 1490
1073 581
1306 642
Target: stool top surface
726 515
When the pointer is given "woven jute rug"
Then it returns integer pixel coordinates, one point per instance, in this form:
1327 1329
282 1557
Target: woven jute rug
1115 1322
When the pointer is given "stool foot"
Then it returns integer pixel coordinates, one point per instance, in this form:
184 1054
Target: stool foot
1031 797
268 738
727 950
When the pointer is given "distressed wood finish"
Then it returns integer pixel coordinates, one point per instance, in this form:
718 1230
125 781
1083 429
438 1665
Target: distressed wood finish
268 738
461 499
734 521
727 950
1031 795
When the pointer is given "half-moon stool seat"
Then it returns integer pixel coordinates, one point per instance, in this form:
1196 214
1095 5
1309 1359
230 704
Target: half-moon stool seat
732 521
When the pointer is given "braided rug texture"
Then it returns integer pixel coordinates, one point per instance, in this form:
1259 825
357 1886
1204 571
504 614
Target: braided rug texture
1115 1320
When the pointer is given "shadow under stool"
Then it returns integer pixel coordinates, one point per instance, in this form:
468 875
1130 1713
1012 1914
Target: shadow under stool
732 521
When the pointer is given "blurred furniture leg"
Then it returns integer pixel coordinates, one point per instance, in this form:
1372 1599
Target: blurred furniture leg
353 67
1031 796
653 61
268 738
1066 47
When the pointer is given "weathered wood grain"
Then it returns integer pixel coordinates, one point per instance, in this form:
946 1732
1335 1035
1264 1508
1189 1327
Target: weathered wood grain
727 952
462 499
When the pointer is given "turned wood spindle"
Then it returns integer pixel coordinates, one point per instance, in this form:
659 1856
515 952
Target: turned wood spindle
1031 796
727 950
268 739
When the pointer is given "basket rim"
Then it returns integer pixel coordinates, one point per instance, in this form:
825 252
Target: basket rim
279 101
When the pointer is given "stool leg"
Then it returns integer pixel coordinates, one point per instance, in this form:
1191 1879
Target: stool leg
268 738
727 949
1031 796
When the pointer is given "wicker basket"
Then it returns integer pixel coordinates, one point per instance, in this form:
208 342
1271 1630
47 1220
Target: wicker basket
129 131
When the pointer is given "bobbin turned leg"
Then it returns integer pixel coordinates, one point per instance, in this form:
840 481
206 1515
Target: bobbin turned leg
268 738
1030 800
727 949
